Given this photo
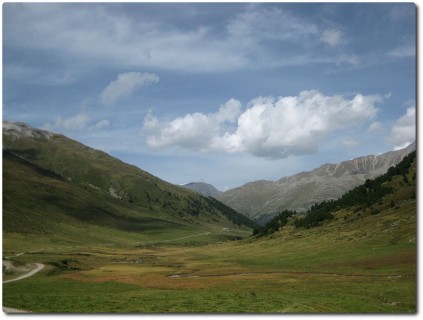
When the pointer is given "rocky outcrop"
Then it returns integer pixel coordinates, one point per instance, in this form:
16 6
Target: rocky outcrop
19 130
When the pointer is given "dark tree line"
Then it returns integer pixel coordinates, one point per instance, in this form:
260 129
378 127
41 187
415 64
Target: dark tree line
365 195
317 214
372 191
274 224
230 213
210 205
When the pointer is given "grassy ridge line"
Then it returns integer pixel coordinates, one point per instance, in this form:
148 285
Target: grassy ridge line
93 169
61 189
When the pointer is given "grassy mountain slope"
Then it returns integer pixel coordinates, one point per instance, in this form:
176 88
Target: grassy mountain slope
58 188
372 197
357 262
363 260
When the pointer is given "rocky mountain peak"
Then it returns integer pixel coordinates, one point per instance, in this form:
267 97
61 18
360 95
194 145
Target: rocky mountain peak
22 130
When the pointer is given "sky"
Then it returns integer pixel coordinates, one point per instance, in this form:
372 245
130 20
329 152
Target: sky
223 93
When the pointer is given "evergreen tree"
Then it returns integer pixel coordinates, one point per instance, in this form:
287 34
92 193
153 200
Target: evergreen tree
364 196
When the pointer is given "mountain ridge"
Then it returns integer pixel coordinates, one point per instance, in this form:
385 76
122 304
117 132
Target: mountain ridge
390 190
203 188
51 181
262 199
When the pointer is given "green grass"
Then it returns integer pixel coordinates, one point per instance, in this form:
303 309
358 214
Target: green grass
103 254
290 294
60 187
366 265
41 209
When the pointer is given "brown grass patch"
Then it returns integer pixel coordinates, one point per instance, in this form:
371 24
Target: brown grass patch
399 259
167 278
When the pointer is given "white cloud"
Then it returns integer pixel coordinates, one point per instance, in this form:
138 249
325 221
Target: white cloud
79 122
404 130
125 84
193 131
96 35
332 37
229 111
99 34
268 127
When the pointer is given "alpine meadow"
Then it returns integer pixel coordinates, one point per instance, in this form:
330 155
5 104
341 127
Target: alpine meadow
209 158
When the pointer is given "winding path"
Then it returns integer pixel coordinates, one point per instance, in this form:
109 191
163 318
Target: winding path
39 267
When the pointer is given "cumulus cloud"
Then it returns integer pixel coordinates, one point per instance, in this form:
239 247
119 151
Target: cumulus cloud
229 111
332 37
268 127
404 130
195 131
125 84
79 122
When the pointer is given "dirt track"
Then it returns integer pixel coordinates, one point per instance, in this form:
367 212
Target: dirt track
39 267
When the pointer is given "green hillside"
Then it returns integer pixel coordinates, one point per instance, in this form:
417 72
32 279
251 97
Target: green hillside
56 189
132 253
372 197
357 262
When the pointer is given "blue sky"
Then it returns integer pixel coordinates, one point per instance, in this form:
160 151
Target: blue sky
220 93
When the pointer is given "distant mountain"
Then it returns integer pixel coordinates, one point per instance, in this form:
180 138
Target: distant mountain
56 186
205 189
261 200
376 196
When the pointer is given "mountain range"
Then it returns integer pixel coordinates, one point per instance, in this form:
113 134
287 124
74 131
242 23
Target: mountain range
203 188
98 176
52 183
261 200
112 236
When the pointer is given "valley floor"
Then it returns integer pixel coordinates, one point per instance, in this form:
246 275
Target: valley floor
353 264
